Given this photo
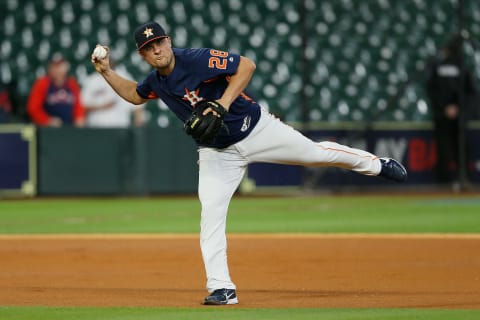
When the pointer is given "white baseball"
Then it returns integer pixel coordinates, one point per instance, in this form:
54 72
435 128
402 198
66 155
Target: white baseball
100 52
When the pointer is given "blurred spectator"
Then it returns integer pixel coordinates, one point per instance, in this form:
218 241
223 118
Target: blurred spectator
445 91
12 105
55 98
104 107
5 104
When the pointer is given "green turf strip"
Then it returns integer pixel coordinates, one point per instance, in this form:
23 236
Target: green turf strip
208 313
330 214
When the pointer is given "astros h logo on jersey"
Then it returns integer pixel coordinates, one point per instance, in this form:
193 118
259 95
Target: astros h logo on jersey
192 96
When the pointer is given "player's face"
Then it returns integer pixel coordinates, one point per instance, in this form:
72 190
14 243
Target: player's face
159 54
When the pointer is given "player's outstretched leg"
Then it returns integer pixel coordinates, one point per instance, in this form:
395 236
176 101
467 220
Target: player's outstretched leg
274 141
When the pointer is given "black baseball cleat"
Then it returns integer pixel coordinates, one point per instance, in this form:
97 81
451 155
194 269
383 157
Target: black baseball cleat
221 296
392 170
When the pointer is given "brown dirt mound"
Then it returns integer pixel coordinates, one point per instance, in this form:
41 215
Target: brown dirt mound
270 271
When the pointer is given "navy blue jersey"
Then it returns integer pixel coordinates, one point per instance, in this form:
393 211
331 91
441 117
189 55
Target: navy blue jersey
203 74
59 103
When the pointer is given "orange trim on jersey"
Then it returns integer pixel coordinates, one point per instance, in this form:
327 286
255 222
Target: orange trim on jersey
210 80
152 95
247 97
352 153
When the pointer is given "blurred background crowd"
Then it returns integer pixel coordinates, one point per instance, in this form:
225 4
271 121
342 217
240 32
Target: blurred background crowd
318 62
342 59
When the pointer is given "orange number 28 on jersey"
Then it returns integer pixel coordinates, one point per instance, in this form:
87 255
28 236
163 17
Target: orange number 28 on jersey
218 59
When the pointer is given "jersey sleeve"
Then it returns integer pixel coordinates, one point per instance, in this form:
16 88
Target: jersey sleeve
211 62
145 90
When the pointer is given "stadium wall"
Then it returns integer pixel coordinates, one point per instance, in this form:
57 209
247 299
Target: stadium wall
152 160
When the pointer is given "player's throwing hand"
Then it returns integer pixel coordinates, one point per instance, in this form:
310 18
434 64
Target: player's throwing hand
100 58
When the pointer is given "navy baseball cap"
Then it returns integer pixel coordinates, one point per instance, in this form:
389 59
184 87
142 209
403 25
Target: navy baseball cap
148 32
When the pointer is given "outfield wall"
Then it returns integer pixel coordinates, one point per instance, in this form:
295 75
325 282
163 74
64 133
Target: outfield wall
152 160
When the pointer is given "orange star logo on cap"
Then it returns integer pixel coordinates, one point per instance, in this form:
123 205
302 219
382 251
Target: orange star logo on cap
148 32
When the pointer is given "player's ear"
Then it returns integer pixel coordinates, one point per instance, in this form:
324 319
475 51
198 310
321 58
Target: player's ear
141 53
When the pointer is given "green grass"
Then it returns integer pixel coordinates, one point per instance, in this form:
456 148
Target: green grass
34 313
379 214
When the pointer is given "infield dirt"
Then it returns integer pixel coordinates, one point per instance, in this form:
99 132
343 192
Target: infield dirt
270 271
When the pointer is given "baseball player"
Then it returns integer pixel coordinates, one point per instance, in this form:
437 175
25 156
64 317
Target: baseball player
205 90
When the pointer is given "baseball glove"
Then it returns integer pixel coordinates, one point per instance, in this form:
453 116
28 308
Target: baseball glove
204 128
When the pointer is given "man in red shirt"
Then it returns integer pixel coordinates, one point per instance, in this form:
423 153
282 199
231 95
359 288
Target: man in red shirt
55 98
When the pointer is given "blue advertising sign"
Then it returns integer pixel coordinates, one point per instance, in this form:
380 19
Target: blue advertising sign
17 160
